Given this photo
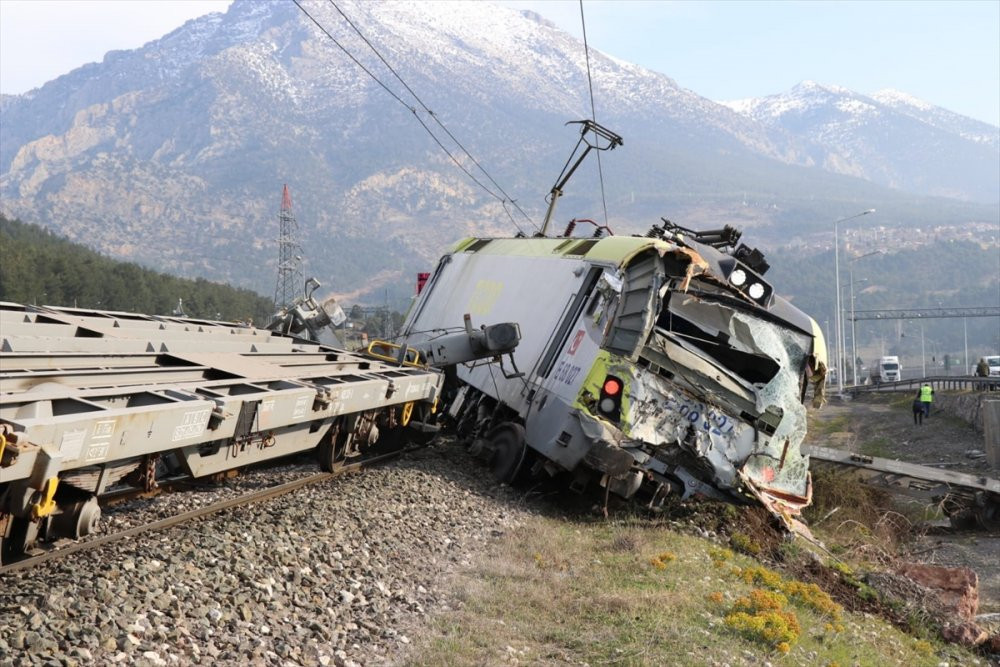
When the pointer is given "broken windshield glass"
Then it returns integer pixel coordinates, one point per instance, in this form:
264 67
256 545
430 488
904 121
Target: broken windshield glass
767 359
711 328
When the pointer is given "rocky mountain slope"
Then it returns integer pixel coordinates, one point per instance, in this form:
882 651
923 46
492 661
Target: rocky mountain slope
889 138
174 154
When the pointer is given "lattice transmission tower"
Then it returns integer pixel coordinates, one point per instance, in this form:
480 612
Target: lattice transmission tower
290 276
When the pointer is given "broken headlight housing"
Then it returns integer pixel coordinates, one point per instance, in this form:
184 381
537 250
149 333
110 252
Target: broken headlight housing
746 281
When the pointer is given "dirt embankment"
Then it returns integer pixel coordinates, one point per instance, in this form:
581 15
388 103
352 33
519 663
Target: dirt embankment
882 425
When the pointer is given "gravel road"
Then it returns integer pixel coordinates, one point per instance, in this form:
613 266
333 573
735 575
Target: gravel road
943 440
328 575
888 431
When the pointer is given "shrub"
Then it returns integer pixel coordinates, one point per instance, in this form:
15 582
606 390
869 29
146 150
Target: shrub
743 543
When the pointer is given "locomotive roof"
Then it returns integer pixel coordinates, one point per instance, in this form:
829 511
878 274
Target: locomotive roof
616 250
608 249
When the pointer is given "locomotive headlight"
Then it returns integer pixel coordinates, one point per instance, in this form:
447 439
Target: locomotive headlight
608 405
756 291
738 277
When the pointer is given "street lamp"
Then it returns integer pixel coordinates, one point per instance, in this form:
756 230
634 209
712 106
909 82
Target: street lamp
836 282
854 322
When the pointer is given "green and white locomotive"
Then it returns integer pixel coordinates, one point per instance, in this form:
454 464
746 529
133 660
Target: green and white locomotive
651 365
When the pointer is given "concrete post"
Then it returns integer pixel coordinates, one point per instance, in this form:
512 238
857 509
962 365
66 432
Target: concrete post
991 431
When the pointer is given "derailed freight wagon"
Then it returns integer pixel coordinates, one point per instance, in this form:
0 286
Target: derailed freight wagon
650 364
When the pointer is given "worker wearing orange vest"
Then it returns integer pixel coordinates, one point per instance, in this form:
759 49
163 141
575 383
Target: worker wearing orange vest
926 396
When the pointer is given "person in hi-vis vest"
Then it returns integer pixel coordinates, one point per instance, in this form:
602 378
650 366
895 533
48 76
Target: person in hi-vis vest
926 396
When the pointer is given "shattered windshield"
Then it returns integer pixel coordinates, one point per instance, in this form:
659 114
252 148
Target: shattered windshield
778 463
768 359
712 329
753 349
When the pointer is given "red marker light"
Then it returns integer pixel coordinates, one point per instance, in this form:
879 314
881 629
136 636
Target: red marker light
612 386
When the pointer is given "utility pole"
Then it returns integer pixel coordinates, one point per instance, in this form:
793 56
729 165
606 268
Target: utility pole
854 321
290 277
965 332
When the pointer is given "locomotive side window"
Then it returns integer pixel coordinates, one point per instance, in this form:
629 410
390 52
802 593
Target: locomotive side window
572 314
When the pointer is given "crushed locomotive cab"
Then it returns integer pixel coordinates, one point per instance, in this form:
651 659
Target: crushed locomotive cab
652 364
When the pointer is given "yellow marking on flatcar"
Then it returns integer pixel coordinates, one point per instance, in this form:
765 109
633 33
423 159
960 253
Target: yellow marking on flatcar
47 504
407 413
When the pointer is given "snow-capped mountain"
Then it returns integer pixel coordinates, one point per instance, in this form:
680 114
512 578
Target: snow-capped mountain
949 121
174 154
890 138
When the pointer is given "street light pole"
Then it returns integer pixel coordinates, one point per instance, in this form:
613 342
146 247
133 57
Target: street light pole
965 332
854 322
836 282
923 357
854 332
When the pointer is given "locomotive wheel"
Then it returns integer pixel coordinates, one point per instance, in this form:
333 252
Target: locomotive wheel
962 520
509 449
466 426
19 538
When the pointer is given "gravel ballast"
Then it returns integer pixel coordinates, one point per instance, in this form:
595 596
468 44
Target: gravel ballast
330 574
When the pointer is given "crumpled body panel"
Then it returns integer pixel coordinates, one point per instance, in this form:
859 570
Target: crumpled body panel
745 436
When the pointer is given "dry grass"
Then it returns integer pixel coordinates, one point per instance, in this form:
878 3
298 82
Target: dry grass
632 592
857 521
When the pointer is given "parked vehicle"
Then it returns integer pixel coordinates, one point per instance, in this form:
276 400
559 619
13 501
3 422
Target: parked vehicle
994 363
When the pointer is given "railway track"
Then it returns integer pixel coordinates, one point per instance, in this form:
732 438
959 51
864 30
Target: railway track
260 495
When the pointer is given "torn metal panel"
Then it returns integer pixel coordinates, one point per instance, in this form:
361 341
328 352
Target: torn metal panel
696 264
726 392
667 417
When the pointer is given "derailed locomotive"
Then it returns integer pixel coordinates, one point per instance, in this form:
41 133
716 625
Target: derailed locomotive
652 365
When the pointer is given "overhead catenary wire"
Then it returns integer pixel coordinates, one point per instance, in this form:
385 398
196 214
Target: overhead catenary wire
502 199
507 198
593 110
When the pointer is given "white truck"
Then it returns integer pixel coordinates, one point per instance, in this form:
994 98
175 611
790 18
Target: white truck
886 369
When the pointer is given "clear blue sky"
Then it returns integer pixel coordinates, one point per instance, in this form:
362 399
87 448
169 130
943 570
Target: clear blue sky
947 53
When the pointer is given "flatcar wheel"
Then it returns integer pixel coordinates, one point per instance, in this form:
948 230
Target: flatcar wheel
507 443
19 538
77 519
332 448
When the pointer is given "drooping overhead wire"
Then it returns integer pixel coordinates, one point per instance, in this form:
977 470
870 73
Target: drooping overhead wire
503 198
433 115
593 109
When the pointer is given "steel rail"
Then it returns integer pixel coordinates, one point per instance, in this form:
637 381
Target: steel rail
246 499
